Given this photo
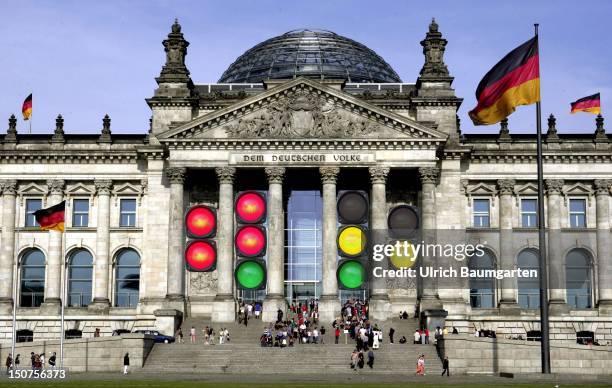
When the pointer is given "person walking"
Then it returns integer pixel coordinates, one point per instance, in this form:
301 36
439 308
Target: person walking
206 333
417 337
9 363
17 361
445 367
33 360
337 335
391 332
42 360
126 363
52 360
354 359
322 332
192 335
426 335
371 359
179 335
421 365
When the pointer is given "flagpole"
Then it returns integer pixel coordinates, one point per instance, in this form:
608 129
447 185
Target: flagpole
15 279
544 327
63 299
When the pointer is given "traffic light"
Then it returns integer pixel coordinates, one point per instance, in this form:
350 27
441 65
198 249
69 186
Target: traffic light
250 240
352 241
201 250
403 227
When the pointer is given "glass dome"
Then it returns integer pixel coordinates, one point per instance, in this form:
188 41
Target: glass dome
310 53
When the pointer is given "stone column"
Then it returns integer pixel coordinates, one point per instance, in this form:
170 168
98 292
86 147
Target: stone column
506 260
224 305
276 245
555 259
101 300
380 307
7 251
429 293
329 304
55 259
176 239
604 262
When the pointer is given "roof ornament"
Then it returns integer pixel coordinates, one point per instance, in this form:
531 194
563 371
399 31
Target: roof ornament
504 131
600 131
551 133
175 46
433 49
58 134
105 136
11 132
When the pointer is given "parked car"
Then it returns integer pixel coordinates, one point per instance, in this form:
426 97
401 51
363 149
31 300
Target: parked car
121 331
159 338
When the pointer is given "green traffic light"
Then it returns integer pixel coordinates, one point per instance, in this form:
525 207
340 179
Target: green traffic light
250 275
351 274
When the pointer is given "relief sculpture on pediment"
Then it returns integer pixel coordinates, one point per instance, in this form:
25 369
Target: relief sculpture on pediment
301 114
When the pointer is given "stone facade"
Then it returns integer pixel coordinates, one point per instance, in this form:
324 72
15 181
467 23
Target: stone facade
406 139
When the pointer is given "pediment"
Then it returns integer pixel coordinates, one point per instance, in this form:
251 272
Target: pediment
484 189
79 189
578 189
302 109
527 189
127 189
32 189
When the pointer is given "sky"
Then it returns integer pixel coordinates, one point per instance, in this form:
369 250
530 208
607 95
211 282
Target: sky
84 59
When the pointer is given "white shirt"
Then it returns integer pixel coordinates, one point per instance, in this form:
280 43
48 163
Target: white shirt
315 333
417 336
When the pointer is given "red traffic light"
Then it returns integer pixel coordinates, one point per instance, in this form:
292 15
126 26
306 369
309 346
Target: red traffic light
201 222
201 256
250 241
250 207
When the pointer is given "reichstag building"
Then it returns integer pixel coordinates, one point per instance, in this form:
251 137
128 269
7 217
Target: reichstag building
300 119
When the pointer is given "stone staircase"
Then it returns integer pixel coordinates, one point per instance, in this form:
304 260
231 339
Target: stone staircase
244 355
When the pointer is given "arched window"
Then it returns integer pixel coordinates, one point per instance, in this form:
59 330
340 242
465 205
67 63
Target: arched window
482 289
80 271
578 283
32 291
127 278
529 288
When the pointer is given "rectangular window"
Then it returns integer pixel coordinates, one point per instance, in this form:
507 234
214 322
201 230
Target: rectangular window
577 213
80 213
529 213
481 213
127 213
32 205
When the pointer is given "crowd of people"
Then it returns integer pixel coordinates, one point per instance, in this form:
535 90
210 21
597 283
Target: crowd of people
37 361
209 336
300 325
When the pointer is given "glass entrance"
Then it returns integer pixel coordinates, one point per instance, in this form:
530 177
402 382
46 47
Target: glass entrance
303 246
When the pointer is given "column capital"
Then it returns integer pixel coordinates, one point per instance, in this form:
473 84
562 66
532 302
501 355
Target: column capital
428 174
103 186
225 174
56 186
602 186
8 186
176 174
506 186
554 186
378 174
329 174
275 174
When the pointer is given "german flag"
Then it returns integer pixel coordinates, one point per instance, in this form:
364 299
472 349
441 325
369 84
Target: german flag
590 104
513 81
51 218
26 109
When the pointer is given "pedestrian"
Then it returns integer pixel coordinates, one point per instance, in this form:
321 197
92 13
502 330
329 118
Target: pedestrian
337 334
322 332
426 335
17 361
245 318
206 333
33 360
126 363
279 315
97 332
52 360
9 363
192 335
42 360
371 359
179 335
354 359
420 370
455 331
445 367
417 337
444 331
361 361
391 332
257 310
